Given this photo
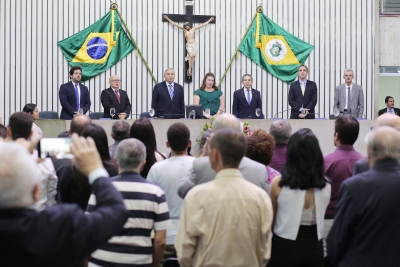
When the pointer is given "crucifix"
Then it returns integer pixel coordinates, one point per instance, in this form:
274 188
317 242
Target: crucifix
188 29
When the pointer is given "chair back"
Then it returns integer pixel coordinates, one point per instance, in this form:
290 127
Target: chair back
96 115
49 115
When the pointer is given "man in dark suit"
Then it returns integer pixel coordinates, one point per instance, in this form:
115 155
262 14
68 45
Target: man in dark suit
168 98
61 235
246 100
70 92
114 97
389 101
365 229
303 96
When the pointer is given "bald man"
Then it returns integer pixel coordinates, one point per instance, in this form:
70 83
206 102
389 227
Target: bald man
114 97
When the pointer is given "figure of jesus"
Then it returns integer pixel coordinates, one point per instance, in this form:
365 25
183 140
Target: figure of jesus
191 45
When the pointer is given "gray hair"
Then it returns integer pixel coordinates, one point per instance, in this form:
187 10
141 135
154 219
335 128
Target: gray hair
347 70
226 121
18 176
130 154
165 72
247 75
383 143
281 131
388 119
120 130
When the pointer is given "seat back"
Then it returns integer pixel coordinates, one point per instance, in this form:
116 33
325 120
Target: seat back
96 115
49 115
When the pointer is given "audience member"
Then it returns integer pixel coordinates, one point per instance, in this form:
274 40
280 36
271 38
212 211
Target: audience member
119 132
20 126
202 172
299 199
281 131
203 139
64 134
61 235
365 230
132 245
260 147
32 110
166 174
3 132
339 165
143 130
389 102
227 221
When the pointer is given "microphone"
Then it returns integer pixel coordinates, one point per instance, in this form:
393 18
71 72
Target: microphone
276 115
83 107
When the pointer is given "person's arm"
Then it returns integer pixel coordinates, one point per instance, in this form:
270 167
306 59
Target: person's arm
188 182
174 23
196 101
128 107
259 104
63 95
204 24
159 246
313 102
154 100
51 185
221 105
106 102
87 100
292 99
182 104
274 193
360 102
235 105
336 98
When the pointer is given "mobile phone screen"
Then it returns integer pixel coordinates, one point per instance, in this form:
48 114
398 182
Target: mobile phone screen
55 148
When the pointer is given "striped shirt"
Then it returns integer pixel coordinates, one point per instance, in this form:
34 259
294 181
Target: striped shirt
148 211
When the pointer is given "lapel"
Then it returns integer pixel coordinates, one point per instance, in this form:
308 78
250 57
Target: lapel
245 97
72 88
115 97
305 89
167 90
353 92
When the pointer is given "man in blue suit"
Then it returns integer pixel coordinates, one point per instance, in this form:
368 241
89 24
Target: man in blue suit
168 98
303 96
70 92
246 100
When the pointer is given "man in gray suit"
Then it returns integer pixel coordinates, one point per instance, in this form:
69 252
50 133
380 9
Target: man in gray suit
201 172
349 97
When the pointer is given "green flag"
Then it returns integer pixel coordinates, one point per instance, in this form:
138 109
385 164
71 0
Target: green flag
98 47
274 49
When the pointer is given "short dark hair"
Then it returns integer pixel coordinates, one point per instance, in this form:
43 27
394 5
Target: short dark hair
302 65
3 131
387 98
178 136
100 139
78 125
231 144
260 146
29 108
20 124
73 69
304 167
120 130
347 129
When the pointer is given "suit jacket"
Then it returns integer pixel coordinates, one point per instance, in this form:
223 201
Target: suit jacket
68 100
356 106
201 172
162 103
297 100
365 231
241 107
396 111
61 235
109 100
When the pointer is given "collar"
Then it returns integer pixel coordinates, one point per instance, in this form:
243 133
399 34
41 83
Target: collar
245 89
169 84
351 86
115 89
386 164
305 81
229 173
345 147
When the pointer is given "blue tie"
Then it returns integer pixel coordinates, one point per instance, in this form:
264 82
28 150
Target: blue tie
77 97
248 96
171 91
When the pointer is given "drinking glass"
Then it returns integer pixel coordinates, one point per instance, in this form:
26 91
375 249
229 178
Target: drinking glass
112 112
258 112
80 111
151 112
304 112
207 112
336 111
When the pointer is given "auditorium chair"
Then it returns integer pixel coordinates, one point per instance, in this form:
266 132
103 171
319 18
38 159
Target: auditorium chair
171 262
95 115
49 115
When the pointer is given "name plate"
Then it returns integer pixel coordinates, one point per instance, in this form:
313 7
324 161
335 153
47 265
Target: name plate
189 3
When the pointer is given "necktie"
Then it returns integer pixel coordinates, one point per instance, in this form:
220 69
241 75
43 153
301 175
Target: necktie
248 96
77 96
117 95
171 91
302 88
348 99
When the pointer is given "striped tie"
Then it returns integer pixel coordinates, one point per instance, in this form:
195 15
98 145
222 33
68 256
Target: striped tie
171 91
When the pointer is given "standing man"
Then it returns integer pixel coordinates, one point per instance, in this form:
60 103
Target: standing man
114 97
73 95
303 96
168 98
246 100
349 97
389 101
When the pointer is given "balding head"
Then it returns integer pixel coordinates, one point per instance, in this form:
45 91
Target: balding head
383 143
388 119
114 82
78 124
226 121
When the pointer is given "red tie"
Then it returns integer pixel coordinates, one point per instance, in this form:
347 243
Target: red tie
117 95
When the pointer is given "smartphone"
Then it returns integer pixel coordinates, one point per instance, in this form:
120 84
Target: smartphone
58 148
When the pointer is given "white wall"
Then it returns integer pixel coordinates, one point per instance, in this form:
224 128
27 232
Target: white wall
32 67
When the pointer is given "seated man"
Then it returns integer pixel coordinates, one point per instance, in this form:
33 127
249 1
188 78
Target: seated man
389 101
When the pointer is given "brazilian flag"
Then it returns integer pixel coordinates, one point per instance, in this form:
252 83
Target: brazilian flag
98 47
274 49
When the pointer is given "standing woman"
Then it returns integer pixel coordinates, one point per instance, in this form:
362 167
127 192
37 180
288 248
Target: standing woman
299 199
209 96
32 110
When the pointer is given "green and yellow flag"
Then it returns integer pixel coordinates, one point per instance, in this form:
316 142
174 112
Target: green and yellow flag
98 47
274 49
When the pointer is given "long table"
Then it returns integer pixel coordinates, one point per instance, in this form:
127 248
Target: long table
323 129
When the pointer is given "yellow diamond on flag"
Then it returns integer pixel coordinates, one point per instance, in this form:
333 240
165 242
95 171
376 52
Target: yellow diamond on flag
276 50
96 48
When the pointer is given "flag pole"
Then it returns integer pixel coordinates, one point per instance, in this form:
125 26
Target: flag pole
237 49
115 7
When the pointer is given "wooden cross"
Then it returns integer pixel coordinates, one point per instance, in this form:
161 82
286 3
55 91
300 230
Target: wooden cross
188 17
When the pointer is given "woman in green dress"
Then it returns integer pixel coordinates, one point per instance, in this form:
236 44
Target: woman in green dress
209 96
